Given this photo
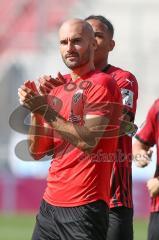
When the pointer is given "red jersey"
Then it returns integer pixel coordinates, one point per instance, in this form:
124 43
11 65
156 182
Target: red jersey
121 179
76 178
149 135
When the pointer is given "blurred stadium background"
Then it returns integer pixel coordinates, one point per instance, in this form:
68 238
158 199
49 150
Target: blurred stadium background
28 49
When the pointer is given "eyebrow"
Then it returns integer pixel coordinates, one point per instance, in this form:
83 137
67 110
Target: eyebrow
97 32
72 39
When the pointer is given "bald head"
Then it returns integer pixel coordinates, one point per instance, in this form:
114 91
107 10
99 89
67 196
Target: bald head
77 25
77 42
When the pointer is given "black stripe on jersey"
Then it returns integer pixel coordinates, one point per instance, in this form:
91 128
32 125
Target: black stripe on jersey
126 190
153 203
130 188
157 171
128 181
118 181
130 114
143 141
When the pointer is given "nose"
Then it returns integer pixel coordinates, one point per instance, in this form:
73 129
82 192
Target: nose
70 46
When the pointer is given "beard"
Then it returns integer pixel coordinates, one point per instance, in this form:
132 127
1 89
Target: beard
78 60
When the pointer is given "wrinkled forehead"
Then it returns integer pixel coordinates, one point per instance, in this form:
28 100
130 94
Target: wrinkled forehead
71 30
76 29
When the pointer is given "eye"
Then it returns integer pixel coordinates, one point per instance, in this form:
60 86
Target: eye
76 40
63 42
99 35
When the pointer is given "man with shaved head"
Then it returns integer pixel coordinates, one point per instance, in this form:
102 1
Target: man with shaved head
86 52
81 121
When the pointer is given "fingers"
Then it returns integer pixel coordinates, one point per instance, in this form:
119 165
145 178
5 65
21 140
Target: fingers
44 90
141 162
47 83
31 85
47 77
44 79
61 78
57 82
153 186
34 87
25 94
31 101
27 83
142 159
149 153
25 91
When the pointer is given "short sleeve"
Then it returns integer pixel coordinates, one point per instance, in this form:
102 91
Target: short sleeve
97 101
101 102
146 134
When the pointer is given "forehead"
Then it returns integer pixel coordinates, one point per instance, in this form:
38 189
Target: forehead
71 30
98 26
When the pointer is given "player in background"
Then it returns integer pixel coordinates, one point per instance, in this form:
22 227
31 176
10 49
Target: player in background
75 203
147 137
121 204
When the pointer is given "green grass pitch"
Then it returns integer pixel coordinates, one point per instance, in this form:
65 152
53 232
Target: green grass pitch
20 227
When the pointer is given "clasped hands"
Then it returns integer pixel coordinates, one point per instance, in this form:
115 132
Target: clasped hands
33 97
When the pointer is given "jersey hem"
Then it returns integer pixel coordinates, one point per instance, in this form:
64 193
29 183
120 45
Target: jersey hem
154 210
74 204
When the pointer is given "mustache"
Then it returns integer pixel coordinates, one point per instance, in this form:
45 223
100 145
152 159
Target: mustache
71 55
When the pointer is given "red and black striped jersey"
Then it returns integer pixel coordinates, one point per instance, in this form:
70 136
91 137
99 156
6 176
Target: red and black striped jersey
121 178
149 135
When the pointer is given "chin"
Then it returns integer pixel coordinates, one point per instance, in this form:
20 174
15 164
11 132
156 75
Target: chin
72 65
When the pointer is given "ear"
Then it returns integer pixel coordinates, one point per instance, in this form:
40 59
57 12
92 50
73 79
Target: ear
112 45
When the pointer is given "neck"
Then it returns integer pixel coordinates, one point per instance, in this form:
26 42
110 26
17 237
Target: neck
101 63
101 66
80 71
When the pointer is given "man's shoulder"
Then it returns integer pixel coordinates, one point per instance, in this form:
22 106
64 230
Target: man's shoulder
102 78
103 83
102 75
155 106
153 111
121 73
156 102
124 78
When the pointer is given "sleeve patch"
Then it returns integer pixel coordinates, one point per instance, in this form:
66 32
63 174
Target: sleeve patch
127 97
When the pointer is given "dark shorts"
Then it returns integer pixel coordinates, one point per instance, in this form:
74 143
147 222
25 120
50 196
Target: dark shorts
153 228
86 222
120 224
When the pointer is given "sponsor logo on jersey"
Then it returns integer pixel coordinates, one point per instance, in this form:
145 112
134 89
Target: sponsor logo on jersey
77 96
129 81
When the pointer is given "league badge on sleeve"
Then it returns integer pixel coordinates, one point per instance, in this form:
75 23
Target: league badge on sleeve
127 97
